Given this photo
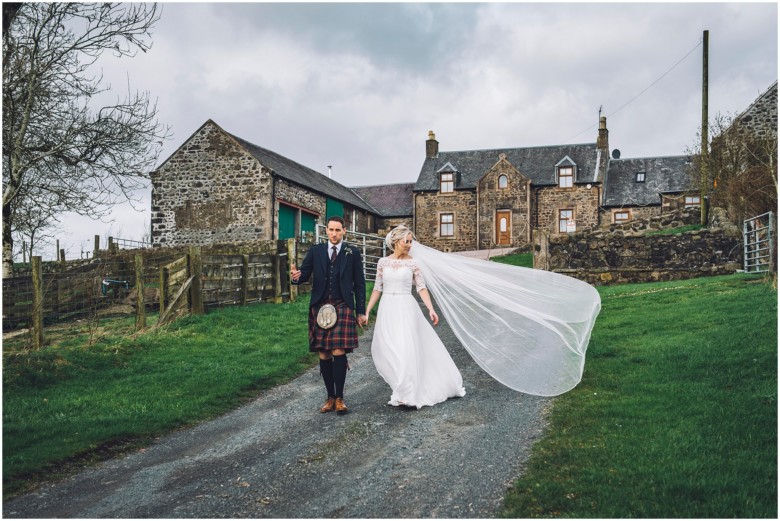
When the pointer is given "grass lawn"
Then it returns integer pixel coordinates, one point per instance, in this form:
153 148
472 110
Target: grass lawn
75 402
676 415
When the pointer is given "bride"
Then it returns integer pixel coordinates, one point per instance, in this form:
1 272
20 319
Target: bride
527 328
407 352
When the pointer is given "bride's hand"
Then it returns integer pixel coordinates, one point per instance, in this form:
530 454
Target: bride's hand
434 317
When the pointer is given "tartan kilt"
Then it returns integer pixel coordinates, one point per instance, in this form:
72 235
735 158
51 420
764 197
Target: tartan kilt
341 336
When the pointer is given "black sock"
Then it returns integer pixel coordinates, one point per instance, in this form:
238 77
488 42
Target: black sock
326 369
340 374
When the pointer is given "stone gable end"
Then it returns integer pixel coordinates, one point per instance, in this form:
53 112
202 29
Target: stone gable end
209 191
514 198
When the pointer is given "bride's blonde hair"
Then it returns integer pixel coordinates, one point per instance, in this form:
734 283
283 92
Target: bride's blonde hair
396 234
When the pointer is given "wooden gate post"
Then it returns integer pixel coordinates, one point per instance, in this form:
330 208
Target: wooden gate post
196 289
140 309
37 308
244 279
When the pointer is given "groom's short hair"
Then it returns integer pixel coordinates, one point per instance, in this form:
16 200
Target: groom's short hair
338 219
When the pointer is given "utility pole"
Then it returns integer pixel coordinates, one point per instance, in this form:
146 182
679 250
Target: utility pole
705 154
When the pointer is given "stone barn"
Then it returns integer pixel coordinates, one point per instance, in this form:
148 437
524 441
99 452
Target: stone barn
219 188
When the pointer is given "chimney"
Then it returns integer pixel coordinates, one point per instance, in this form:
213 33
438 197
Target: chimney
329 167
431 146
602 142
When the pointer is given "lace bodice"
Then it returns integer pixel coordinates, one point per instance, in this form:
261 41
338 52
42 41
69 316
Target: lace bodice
397 275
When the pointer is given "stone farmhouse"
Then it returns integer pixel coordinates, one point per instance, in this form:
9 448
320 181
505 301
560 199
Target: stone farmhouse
219 188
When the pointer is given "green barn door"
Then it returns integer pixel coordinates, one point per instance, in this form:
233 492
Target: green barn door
332 208
308 222
286 221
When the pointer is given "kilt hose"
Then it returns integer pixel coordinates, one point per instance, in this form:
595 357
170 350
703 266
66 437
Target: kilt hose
341 336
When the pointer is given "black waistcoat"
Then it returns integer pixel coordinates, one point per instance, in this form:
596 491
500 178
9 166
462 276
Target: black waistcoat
334 289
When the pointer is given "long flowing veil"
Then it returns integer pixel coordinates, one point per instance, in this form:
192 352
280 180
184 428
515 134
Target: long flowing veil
526 328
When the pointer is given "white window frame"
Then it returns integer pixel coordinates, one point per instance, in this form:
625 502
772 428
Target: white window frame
450 225
449 184
570 217
568 177
690 203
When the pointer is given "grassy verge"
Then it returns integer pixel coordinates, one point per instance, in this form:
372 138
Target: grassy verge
525 260
675 231
676 415
88 395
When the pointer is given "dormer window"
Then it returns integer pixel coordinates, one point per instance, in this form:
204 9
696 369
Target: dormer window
502 182
447 180
640 177
565 176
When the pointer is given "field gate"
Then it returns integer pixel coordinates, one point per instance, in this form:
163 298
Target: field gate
758 235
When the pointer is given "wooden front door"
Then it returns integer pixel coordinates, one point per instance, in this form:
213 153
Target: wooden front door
503 233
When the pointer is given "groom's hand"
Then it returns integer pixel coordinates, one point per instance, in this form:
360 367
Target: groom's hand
294 273
362 320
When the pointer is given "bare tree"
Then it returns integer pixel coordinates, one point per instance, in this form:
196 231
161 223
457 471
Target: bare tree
743 168
57 148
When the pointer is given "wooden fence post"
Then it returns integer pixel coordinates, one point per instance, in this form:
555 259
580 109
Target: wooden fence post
276 259
244 279
292 258
37 308
163 288
196 289
140 310
96 248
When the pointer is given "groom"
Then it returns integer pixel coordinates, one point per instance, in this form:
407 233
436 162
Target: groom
338 280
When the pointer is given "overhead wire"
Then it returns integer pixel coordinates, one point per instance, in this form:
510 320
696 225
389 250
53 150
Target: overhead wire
670 69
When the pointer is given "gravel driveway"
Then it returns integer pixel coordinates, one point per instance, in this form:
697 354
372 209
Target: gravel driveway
278 457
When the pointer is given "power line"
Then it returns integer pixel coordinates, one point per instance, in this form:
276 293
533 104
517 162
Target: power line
670 69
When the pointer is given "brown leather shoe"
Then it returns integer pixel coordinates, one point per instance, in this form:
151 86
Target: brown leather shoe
341 408
330 405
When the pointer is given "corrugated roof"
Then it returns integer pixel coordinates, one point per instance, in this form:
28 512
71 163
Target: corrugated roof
662 175
536 163
395 200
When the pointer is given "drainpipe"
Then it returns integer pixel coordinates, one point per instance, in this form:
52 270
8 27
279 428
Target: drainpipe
478 216
274 233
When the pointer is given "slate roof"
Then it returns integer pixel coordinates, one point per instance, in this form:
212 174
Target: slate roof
303 175
536 163
396 200
662 175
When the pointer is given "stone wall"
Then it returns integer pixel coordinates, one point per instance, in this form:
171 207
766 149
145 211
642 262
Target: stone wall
461 203
385 224
584 201
210 191
626 254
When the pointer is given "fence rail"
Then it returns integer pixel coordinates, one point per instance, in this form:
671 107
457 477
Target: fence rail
174 281
758 235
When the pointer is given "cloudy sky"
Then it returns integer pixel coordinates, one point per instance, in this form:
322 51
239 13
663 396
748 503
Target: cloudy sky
358 86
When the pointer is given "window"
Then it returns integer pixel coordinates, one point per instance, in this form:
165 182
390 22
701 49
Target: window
566 176
692 201
566 221
501 182
447 182
640 177
622 216
446 225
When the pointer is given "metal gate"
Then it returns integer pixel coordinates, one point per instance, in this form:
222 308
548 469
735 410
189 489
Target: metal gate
758 236
371 246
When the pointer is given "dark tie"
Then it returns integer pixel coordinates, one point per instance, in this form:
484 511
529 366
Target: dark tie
333 255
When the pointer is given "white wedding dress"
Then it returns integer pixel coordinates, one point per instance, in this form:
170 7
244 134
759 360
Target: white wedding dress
407 352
